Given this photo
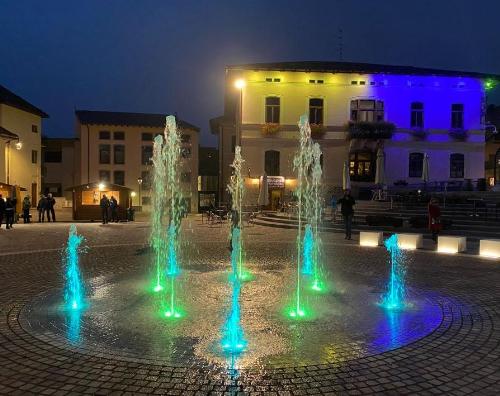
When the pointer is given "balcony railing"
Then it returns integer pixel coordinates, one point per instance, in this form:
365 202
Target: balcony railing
370 130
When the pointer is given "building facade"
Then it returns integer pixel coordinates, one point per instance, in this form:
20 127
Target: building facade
20 143
58 167
355 110
117 147
493 146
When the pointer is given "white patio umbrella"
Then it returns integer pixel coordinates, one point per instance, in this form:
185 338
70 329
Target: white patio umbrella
346 178
425 169
380 171
264 191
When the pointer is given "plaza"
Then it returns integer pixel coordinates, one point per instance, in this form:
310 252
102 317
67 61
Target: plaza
121 346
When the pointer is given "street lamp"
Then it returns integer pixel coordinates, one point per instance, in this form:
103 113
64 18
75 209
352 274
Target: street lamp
19 146
139 181
239 84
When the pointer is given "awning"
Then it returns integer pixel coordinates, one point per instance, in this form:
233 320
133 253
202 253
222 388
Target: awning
6 134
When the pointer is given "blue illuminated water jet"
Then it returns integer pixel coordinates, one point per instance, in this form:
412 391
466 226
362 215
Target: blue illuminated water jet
173 267
308 251
74 290
395 296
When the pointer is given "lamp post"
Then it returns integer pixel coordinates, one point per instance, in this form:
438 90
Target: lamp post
239 84
139 181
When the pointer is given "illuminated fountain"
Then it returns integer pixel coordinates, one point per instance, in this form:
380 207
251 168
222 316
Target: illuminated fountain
233 337
167 200
74 290
395 296
307 162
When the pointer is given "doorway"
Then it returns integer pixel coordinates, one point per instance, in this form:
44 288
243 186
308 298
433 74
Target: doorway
276 198
34 194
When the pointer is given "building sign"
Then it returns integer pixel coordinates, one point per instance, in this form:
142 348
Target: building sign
275 182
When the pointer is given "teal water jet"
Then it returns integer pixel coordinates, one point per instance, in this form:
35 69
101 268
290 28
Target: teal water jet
233 340
308 251
395 296
74 289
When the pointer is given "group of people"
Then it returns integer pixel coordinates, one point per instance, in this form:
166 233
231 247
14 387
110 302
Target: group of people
7 211
347 203
44 207
109 209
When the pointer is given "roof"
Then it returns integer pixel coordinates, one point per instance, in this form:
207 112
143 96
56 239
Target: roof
95 185
10 98
353 67
127 119
7 134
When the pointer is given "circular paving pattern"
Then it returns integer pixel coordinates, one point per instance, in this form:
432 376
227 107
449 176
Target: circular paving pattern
448 344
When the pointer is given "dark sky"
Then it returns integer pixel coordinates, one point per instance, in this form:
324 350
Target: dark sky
169 56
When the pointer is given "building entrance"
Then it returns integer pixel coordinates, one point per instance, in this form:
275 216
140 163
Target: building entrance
276 198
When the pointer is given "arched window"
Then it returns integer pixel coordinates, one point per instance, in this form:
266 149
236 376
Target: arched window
417 115
272 162
415 164
456 165
273 109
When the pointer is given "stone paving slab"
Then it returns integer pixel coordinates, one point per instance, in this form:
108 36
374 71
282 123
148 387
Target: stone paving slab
461 356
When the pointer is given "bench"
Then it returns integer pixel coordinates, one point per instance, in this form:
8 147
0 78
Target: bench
489 248
410 241
451 244
370 238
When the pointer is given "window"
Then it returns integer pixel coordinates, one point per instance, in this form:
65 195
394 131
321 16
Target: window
119 135
417 115
104 135
147 137
34 156
457 116
146 154
186 177
354 83
185 138
119 177
362 166
312 81
119 153
415 165
104 176
269 79
34 128
272 162
320 81
277 80
316 111
456 165
146 180
104 153
273 109
52 156
367 110
186 152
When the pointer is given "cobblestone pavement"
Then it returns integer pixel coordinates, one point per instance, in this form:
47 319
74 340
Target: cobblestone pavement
460 356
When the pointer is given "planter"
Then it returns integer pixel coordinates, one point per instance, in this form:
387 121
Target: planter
270 129
317 131
370 130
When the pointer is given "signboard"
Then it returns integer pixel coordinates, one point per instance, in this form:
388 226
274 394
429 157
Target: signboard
275 181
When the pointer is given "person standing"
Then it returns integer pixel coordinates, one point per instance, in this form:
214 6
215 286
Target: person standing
347 203
51 202
104 204
434 212
26 209
113 205
2 210
41 207
9 212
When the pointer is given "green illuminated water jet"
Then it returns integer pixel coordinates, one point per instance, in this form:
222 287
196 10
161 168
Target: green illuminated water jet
307 163
395 296
74 290
233 340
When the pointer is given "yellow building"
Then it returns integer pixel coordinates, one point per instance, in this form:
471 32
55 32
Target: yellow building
20 143
356 110
117 147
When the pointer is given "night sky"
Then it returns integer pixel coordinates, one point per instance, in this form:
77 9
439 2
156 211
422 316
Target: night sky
169 56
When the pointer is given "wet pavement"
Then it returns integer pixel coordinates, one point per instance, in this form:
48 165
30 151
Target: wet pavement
447 342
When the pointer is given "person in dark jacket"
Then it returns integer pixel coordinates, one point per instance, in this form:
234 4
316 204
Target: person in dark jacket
9 212
41 207
347 203
104 204
2 210
26 209
51 202
113 206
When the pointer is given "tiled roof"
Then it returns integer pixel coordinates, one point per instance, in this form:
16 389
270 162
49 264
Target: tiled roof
10 98
127 119
362 68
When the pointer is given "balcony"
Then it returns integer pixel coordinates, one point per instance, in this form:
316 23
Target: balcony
370 130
